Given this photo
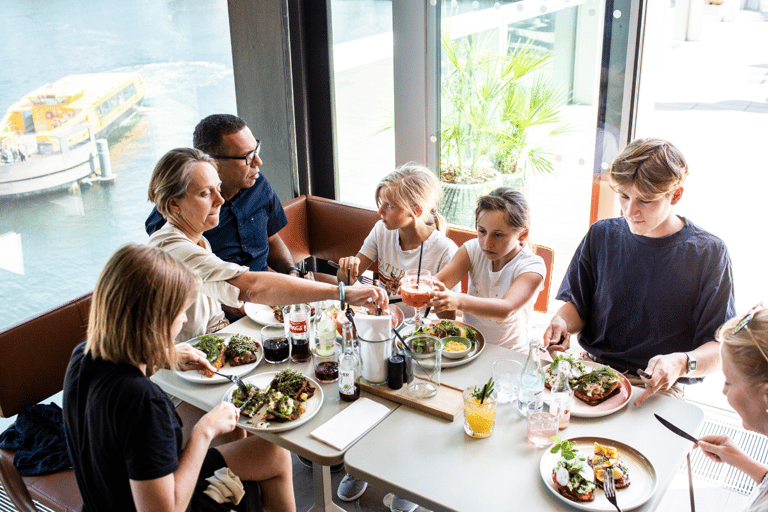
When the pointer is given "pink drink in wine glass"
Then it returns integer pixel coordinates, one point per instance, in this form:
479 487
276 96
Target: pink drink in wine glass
415 288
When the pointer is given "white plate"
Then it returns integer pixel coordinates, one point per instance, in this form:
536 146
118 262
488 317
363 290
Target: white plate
227 369
642 476
615 403
262 380
261 314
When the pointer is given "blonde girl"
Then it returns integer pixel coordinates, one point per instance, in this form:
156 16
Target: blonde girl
407 199
744 351
504 273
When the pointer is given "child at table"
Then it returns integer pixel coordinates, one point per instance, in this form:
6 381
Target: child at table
407 199
504 273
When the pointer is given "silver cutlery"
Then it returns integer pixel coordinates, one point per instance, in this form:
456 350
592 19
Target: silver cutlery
361 278
610 487
236 381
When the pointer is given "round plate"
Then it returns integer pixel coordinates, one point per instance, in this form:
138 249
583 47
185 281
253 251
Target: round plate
227 369
617 402
474 352
642 475
261 314
262 380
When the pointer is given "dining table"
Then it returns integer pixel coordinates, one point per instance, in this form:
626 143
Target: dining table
434 463
297 440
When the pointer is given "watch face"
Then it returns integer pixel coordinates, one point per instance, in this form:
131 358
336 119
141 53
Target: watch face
691 365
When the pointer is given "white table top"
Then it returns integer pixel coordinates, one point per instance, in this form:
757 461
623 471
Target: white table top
298 440
434 463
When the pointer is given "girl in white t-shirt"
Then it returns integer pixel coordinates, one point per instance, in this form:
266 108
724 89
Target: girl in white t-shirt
504 274
407 199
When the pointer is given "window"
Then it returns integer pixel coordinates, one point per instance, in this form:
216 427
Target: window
53 246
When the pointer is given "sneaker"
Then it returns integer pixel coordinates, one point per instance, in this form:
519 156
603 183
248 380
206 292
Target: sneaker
351 488
396 504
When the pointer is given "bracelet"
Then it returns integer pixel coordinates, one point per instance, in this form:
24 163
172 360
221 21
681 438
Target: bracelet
341 295
294 269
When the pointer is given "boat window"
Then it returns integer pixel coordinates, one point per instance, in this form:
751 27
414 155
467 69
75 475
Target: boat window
29 124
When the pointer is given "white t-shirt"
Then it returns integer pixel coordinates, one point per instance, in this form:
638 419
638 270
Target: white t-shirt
483 282
382 246
205 312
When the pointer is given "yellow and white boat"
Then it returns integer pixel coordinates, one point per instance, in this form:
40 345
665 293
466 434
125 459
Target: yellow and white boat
48 138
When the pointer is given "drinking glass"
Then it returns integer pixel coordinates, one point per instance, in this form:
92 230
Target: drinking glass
415 287
506 375
275 343
541 426
479 418
425 363
326 363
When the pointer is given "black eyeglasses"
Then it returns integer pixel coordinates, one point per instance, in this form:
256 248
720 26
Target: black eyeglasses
745 321
249 158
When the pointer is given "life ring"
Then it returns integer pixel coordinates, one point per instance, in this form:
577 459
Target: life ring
49 115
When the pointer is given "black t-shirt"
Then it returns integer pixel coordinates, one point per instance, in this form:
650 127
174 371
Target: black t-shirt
119 426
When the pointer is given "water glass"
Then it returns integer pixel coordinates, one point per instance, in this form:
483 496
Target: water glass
425 364
326 363
506 375
541 426
479 418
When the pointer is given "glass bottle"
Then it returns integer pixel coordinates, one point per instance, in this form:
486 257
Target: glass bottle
324 329
297 318
562 395
531 396
349 366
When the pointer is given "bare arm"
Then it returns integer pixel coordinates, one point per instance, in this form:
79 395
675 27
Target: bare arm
279 258
721 448
275 289
173 492
665 369
356 266
565 322
456 269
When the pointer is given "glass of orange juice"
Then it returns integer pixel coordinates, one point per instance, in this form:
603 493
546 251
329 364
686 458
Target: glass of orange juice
479 417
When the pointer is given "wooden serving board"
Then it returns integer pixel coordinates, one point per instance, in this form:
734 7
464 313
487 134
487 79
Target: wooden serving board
447 403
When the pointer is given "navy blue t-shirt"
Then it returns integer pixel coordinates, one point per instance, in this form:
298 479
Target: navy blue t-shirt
119 426
245 224
641 297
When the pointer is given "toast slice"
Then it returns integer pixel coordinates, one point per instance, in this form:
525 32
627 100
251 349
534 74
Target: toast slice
597 397
571 495
597 386
215 351
242 350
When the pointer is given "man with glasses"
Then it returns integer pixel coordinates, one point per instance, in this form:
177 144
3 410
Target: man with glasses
252 214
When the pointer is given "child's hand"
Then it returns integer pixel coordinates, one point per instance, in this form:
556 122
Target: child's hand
351 264
443 299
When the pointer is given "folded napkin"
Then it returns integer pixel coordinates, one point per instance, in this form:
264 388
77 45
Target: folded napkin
351 423
374 328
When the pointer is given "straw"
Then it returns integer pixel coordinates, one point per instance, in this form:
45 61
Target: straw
418 274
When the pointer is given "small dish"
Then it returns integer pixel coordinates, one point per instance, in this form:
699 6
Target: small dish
452 342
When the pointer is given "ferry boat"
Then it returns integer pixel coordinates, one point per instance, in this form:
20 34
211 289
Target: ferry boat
48 138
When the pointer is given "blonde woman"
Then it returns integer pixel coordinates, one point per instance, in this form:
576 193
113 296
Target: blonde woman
185 188
123 434
744 352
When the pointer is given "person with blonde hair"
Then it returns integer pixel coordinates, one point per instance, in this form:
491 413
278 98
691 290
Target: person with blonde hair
744 352
123 435
504 273
185 188
647 290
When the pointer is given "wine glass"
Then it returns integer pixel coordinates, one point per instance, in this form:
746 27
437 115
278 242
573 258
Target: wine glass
415 287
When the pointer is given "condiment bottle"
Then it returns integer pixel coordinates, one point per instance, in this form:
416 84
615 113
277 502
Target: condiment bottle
531 396
349 366
297 318
562 395
325 331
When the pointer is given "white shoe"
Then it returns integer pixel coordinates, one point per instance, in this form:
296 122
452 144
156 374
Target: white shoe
396 504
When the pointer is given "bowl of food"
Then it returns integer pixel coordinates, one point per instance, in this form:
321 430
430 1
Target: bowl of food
456 347
422 346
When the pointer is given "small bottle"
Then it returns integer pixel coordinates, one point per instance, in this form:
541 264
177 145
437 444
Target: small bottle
531 396
325 331
562 395
349 366
297 318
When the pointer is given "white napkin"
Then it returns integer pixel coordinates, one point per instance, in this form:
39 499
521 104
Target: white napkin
351 423
375 347
374 328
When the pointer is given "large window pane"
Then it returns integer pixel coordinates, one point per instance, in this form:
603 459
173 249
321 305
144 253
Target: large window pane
53 246
362 54
519 101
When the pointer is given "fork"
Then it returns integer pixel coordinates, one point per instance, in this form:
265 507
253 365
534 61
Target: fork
236 381
609 487
363 279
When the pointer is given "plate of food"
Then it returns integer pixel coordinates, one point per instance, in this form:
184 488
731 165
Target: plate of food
269 315
598 390
229 353
574 469
445 328
281 400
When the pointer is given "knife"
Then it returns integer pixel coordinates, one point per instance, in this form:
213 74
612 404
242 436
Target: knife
676 430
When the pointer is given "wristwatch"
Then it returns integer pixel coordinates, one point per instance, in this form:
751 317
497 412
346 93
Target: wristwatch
691 363
294 269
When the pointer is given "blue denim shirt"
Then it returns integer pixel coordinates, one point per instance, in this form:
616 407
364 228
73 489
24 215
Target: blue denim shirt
245 224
